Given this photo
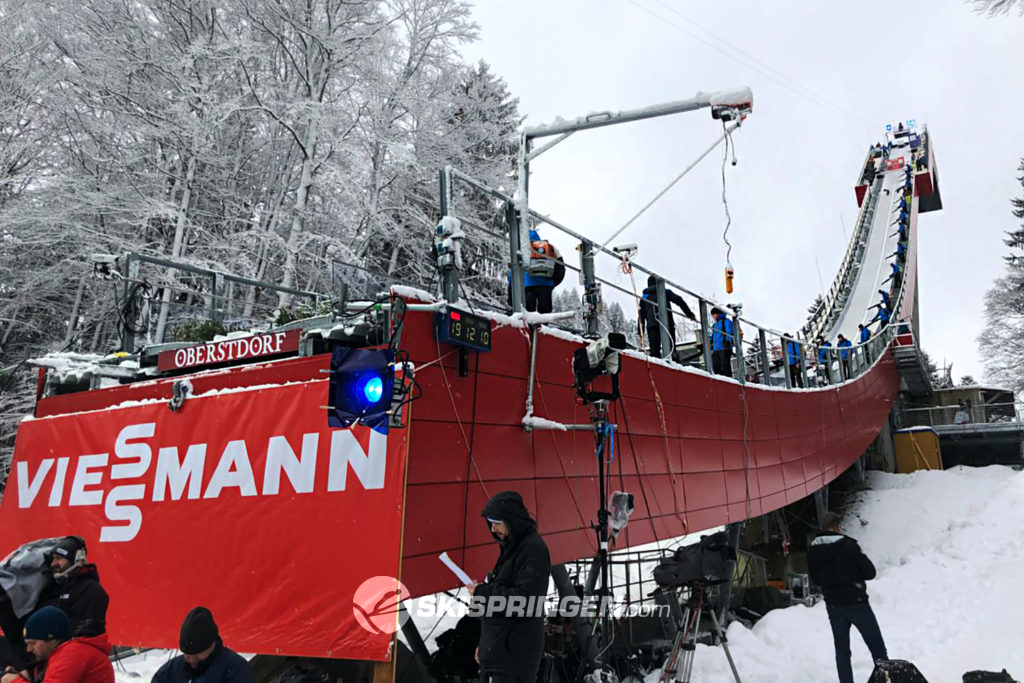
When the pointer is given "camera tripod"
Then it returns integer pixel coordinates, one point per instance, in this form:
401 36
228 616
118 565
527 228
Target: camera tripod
680 660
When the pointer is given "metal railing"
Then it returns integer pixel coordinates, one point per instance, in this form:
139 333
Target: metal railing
632 582
938 416
178 293
753 360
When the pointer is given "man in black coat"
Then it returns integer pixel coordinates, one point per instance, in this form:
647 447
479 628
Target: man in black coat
648 318
836 563
76 590
203 658
512 630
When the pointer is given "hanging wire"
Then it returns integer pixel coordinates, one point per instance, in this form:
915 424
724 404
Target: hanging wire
725 201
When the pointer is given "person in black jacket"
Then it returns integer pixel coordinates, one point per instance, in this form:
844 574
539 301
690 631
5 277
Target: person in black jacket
76 590
836 563
648 317
203 658
512 640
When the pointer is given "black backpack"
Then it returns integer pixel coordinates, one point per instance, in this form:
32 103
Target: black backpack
896 671
988 677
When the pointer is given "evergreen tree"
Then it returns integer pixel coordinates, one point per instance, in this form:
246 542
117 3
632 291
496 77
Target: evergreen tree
813 308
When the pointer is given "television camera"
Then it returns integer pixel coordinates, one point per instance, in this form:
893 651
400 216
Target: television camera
694 568
599 358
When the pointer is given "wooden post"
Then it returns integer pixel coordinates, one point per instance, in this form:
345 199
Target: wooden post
384 672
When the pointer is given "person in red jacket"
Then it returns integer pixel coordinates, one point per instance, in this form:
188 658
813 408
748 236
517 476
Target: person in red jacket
61 658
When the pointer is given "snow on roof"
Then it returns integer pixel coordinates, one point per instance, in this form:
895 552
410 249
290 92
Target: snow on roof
976 387
155 401
413 293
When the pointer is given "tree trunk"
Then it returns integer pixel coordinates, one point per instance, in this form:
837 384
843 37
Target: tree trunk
179 238
295 232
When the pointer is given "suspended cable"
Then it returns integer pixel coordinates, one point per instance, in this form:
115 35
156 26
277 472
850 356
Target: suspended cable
792 85
727 132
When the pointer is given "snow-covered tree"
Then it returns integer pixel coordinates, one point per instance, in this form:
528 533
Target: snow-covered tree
996 7
260 137
1001 342
967 381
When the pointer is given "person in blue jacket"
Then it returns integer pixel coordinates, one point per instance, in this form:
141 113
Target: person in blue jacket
794 359
895 275
883 315
865 335
825 358
844 345
722 335
885 297
539 287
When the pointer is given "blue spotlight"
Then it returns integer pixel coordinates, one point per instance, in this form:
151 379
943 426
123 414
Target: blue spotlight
361 387
373 389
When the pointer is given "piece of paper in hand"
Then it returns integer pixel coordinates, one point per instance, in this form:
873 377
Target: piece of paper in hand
456 569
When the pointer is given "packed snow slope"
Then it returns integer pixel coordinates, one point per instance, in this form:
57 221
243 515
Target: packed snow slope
949 595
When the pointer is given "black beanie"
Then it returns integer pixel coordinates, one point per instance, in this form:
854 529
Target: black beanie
198 631
49 623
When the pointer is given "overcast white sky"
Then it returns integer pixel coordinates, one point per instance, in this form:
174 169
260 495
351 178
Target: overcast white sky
791 195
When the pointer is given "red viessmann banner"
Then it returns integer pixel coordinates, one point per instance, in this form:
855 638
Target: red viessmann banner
244 502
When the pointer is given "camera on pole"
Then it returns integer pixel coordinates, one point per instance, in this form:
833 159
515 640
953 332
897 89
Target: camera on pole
600 358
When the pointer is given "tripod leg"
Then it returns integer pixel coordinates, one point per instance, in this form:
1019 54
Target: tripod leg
672 663
690 648
725 646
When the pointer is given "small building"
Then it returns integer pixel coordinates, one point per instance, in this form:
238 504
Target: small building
976 424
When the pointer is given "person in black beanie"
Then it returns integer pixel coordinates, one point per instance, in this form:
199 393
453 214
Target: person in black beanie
203 656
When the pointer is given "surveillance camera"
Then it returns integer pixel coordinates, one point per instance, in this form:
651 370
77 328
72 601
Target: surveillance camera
735 161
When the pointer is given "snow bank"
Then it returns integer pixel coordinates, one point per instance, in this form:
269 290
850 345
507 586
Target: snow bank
948 596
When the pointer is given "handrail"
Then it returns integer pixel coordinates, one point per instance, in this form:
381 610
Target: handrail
1006 413
861 356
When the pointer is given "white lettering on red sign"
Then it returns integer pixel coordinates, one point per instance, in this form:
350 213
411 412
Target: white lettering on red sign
176 479
230 350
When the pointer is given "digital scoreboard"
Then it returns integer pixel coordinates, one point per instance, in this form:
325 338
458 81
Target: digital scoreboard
464 329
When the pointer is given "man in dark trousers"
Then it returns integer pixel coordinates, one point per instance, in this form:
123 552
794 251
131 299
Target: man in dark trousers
722 335
648 318
794 359
76 588
844 345
203 655
825 358
512 640
836 563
